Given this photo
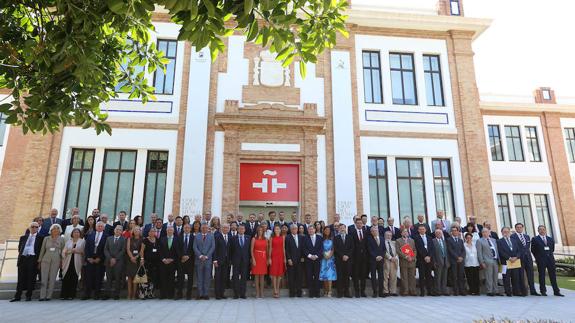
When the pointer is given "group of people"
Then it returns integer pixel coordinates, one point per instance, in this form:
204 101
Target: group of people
161 259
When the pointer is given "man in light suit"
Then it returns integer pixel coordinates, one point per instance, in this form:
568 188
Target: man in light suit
456 257
543 247
488 258
52 219
441 219
204 247
526 258
440 263
115 253
395 232
390 264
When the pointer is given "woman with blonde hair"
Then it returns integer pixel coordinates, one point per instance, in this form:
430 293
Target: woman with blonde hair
73 255
74 224
50 260
135 255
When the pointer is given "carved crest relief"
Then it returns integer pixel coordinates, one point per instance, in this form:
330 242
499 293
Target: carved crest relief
269 72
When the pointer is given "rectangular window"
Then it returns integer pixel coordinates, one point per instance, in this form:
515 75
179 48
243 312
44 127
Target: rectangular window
164 82
454 6
514 147
2 128
543 214
79 181
433 83
503 208
378 194
372 91
403 85
155 191
411 188
533 144
523 212
546 94
125 66
570 141
117 182
443 188
495 143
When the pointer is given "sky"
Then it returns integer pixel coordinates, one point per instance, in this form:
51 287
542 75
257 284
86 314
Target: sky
530 43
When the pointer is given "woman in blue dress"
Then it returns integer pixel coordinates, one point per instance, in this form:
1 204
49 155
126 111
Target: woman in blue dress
327 272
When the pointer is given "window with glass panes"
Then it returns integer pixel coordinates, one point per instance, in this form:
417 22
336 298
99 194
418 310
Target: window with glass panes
570 141
533 144
454 7
164 82
433 83
523 213
134 71
378 194
514 147
495 143
403 85
410 188
372 91
117 182
2 128
503 208
443 188
543 214
155 191
79 181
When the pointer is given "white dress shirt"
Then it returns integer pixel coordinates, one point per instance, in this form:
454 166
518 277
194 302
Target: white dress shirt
29 247
471 255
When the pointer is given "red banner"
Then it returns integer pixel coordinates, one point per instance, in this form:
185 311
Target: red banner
269 182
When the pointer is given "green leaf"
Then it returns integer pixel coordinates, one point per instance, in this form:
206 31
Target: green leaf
116 6
248 6
209 7
253 30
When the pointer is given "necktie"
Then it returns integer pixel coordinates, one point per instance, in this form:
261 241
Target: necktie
545 240
187 237
441 221
522 238
377 239
509 243
441 247
343 238
226 238
203 237
313 240
241 241
115 240
390 249
296 242
170 243
491 247
360 234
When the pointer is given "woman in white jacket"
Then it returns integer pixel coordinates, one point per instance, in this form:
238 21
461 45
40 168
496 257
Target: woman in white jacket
75 223
73 256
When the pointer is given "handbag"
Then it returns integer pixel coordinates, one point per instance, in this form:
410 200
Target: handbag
141 276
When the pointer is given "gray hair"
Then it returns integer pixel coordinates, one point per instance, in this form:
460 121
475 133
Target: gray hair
55 226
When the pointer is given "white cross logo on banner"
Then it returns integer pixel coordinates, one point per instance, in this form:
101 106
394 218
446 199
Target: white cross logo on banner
264 183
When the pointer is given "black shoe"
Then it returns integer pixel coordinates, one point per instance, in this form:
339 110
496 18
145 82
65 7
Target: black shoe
509 295
218 298
14 300
559 294
198 298
224 297
243 297
236 296
47 299
206 298
188 298
85 298
116 298
374 295
41 299
490 294
363 294
543 294
535 294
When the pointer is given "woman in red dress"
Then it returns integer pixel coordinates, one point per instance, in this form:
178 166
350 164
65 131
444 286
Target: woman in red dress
277 259
259 253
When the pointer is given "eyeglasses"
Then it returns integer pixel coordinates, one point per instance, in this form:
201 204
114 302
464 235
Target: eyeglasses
35 226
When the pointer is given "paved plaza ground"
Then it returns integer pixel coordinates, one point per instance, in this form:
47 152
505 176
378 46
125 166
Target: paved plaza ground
297 310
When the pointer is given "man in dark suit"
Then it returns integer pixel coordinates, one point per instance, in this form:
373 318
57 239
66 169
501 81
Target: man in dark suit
360 257
543 247
526 258
95 268
179 227
52 219
240 258
395 232
334 226
421 221
28 252
510 252
295 260
186 263
148 226
307 223
456 258
343 251
424 247
375 223
272 219
221 260
493 234
313 251
376 250
294 219
108 228
251 226
121 221
160 233
169 254
171 223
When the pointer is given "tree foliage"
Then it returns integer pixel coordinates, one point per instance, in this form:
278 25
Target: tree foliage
61 59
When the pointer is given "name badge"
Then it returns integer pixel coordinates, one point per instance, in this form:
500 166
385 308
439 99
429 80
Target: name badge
135 252
546 248
54 249
154 250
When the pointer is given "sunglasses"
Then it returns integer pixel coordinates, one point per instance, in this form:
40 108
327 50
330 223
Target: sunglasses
34 226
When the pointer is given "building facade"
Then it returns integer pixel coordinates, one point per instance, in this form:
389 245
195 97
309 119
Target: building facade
389 123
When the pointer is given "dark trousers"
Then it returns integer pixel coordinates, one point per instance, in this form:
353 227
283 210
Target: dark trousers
425 278
221 277
458 278
153 269
343 269
167 273
313 284
550 267
69 282
359 274
527 264
240 275
513 282
94 278
27 272
376 272
472 275
185 269
295 274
